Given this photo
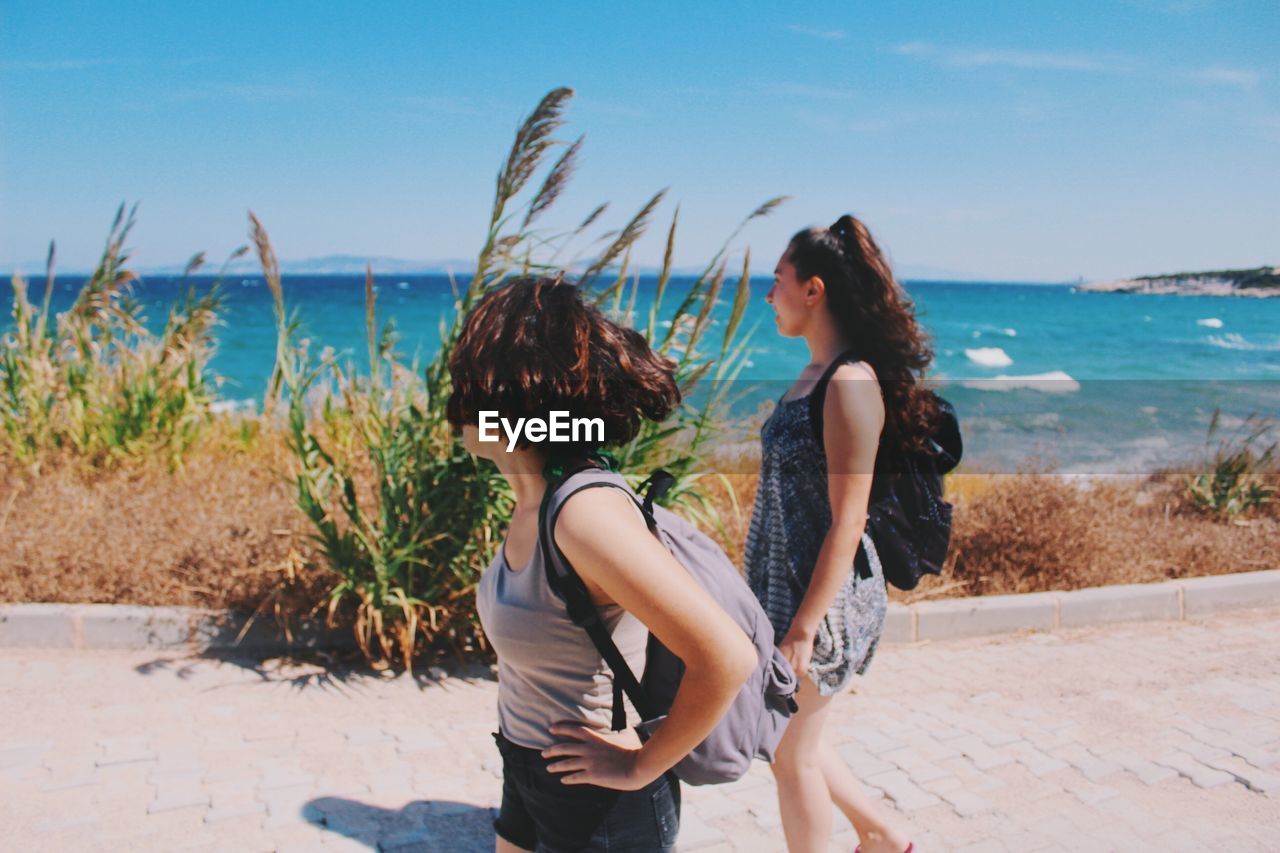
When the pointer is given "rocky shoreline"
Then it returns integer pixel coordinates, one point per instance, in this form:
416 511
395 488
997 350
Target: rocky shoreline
1260 282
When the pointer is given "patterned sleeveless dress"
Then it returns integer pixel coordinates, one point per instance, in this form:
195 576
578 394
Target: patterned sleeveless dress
789 522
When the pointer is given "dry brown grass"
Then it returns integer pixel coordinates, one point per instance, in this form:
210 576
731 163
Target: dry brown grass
1037 532
223 532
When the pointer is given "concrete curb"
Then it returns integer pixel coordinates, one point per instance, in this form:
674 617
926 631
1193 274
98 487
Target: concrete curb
1174 600
122 626
116 626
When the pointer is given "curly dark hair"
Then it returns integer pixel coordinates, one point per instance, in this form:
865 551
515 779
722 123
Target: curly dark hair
533 345
878 318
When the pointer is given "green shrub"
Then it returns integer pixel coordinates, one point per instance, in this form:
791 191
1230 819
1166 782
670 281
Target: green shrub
1232 484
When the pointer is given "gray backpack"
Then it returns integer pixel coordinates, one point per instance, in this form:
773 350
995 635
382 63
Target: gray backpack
755 721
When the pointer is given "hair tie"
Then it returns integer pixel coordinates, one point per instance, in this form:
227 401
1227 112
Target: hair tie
843 230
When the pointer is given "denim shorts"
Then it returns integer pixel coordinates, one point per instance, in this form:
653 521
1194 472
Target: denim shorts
541 813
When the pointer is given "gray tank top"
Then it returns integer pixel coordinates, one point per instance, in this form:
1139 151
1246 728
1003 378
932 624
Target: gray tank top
548 670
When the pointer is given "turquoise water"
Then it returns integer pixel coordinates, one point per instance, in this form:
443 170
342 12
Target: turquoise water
1119 382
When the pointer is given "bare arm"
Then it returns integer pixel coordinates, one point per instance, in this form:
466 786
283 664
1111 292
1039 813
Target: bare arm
612 549
853 415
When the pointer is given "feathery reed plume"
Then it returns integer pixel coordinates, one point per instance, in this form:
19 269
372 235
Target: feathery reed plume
50 265
555 183
664 275
285 328
628 236
591 218
740 299
696 290
531 142
371 321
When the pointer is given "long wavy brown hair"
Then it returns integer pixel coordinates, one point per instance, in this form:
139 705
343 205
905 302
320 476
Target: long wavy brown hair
877 317
534 345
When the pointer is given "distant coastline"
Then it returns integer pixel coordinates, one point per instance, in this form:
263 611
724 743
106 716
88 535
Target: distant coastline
1256 282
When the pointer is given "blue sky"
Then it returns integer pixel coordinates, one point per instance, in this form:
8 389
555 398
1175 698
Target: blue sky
1021 141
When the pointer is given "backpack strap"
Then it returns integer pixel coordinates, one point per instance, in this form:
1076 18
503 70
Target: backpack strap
568 585
818 395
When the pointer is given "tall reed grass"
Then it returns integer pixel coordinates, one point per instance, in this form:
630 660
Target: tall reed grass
400 511
93 385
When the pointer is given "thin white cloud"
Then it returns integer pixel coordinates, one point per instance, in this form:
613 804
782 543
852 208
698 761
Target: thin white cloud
1240 78
981 58
815 32
1244 79
1027 59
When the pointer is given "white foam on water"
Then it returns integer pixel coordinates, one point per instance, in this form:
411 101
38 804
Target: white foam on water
989 356
404 285
985 424
1006 332
1053 382
1044 420
220 407
1210 323
1231 340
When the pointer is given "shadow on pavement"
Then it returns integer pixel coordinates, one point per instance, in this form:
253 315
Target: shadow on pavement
313 670
423 825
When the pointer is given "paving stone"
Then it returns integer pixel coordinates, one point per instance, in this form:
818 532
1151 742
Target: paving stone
207 723
218 814
964 803
982 755
1039 763
1200 775
906 795
1244 773
696 834
862 762
1148 772
1094 768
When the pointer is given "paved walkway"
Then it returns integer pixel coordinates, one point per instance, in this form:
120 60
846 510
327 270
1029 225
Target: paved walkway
1136 737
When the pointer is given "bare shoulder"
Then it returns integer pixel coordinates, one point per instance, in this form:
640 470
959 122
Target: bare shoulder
856 390
855 370
599 509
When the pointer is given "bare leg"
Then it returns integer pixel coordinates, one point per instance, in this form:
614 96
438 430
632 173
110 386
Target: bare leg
873 833
811 778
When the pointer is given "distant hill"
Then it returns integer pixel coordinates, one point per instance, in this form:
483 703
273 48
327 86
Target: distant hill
1259 281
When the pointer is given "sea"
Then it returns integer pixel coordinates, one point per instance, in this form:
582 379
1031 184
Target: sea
1042 376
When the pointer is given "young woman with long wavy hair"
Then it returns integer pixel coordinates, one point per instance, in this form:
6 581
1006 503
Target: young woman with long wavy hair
808 558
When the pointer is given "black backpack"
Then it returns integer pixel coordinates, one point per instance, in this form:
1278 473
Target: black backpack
907 518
